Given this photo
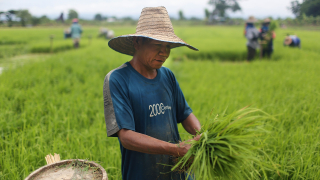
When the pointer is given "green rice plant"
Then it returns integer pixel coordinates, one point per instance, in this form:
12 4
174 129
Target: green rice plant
53 102
229 147
57 46
273 25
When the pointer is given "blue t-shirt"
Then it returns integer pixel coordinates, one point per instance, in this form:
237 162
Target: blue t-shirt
295 40
149 106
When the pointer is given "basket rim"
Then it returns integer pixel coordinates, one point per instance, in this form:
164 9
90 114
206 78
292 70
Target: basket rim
43 168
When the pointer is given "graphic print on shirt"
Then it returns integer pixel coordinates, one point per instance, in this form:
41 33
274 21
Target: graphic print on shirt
158 109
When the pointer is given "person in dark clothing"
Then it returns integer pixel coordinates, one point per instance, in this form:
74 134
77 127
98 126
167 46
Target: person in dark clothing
143 102
266 37
252 34
292 41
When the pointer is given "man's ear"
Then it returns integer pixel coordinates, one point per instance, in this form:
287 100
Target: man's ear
136 42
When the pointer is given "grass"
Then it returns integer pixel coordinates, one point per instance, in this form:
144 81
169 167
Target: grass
54 104
284 88
230 147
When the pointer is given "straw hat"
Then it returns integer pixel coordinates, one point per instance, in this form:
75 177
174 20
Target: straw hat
154 23
251 19
74 20
287 41
267 20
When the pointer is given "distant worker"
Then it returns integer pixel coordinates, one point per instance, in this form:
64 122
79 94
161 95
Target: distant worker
76 31
267 35
252 34
106 33
67 33
110 34
292 41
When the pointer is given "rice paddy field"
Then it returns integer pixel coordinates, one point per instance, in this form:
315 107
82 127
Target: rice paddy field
51 95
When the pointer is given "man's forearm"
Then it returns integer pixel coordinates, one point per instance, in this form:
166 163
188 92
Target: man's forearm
191 124
143 143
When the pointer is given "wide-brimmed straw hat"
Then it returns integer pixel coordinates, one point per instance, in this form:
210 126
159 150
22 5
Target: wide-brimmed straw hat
74 20
287 41
251 19
267 20
154 23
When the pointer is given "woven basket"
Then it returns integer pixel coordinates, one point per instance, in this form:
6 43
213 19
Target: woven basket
70 169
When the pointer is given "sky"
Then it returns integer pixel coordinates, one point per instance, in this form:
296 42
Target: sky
124 8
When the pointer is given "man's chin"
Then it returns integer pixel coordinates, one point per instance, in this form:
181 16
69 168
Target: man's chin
158 65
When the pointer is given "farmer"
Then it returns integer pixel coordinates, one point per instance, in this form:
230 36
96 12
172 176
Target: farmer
252 34
292 41
67 33
143 102
267 35
106 33
76 31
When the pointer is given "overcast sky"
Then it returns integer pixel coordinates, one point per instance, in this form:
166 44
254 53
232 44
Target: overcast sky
121 8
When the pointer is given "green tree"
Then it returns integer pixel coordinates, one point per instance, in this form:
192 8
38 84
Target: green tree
181 16
1 12
221 7
9 15
44 19
295 8
35 21
72 14
98 17
311 7
39 20
25 17
307 7
206 13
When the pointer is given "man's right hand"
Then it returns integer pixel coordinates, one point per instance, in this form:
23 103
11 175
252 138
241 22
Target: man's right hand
142 143
184 147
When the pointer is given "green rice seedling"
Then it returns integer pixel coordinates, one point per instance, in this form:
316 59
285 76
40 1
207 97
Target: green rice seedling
229 147
53 102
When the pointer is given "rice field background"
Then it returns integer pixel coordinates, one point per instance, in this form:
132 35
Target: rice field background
51 97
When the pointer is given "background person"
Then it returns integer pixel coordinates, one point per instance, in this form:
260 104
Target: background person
267 35
252 34
106 33
67 33
143 102
292 41
76 31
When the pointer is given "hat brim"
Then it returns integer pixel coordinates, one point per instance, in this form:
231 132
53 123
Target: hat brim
252 21
124 44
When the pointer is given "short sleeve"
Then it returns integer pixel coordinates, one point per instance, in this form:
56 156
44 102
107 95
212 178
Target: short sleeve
183 109
117 106
249 34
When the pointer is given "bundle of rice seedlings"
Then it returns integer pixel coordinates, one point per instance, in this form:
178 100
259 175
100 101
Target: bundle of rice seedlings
229 147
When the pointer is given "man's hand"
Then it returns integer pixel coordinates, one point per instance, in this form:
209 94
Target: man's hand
142 143
184 147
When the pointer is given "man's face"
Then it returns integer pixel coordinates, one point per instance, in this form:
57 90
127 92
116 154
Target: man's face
153 53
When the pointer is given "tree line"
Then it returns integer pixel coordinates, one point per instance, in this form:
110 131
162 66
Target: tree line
24 17
307 12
